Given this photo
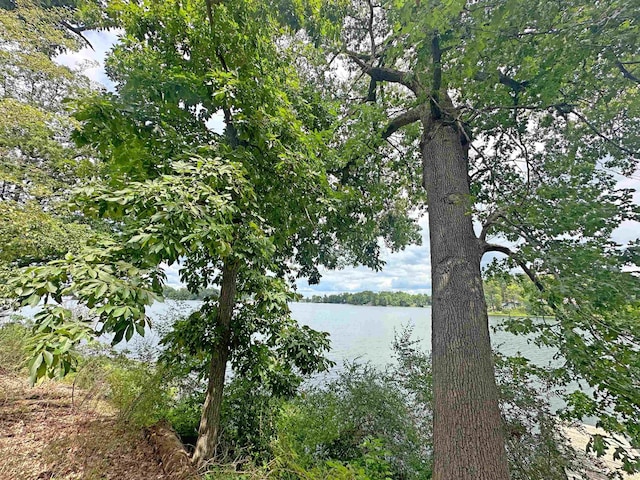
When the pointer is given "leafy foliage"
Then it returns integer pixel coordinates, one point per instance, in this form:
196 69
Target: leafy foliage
385 415
258 200
13 351
356 415
139 392
544 97
39 163
183 293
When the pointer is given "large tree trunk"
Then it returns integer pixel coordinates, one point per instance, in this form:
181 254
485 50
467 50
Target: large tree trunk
209 429
467 434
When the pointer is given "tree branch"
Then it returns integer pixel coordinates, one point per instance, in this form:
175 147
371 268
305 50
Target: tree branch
79 31
562 107
486 247
384 74
603 136
371 95
403 119
513 84
490 221
489 247
230 129
503 79
436 58
371 34
626 73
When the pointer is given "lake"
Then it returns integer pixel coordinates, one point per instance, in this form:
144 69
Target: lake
357 332
362 332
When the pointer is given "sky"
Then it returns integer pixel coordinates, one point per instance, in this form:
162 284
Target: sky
408 270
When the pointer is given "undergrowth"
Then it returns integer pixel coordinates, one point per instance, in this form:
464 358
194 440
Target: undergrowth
365 423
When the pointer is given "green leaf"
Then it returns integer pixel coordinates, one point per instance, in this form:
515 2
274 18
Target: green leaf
48 358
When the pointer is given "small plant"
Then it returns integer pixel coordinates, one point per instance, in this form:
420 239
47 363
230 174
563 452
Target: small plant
138 391
13 340
361 421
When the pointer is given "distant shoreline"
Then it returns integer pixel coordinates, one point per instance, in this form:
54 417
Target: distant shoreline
363 304
491 314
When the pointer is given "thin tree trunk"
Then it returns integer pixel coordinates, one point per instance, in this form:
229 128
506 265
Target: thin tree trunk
468 436
209 429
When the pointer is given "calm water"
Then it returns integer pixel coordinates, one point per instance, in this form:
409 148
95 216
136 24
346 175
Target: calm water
357 332
362 332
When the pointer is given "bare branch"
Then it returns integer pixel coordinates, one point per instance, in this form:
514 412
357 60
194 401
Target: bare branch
626 73
79 31
488 223
403 119
489 247
384 74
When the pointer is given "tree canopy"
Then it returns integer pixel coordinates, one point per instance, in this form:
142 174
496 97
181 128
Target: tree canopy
517 117
398 299
249 210
529 113
39 163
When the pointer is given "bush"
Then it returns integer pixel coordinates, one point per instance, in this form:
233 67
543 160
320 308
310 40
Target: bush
250 412
184 417
13 339
376 424
139 392
360 422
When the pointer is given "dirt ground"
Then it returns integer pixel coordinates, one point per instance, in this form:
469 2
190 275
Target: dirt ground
44 435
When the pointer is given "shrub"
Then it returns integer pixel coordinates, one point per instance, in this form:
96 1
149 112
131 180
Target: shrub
250 412
360 421
184 417
13 339
376 424
137 389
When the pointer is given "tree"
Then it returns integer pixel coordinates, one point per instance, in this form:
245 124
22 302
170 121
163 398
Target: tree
39 163
526 110
248 211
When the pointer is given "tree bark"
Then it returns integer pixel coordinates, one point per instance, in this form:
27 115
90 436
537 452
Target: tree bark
174 458
209 430
468 435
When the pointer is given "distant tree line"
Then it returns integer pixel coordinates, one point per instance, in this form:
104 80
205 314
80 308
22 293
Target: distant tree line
510 293
503 293
381 299
184 294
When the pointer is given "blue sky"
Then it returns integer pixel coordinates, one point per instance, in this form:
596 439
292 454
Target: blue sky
407 270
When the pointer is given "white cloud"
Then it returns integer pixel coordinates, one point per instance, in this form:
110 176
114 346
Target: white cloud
216 122
408 270
173 275
91 61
